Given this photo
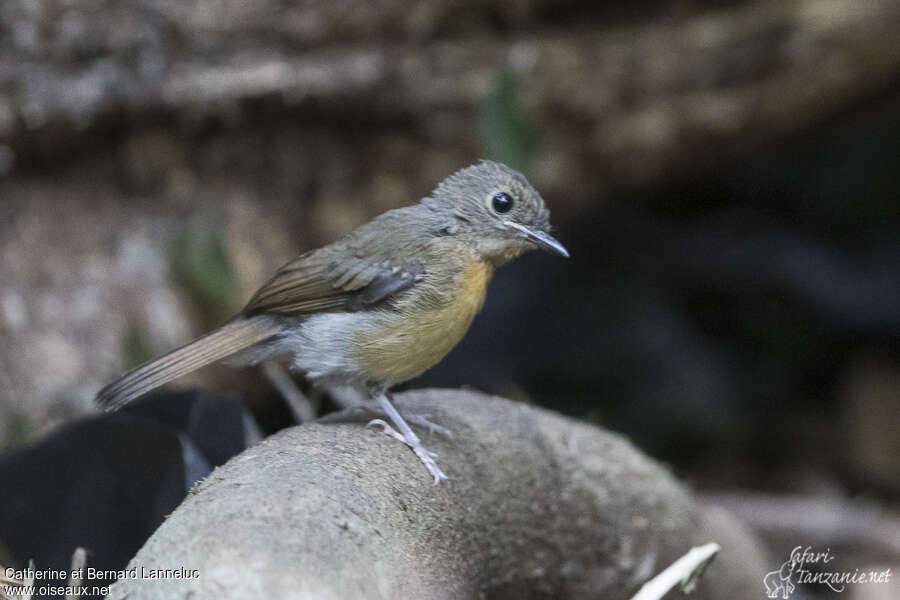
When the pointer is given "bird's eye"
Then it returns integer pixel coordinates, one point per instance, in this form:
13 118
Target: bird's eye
501 203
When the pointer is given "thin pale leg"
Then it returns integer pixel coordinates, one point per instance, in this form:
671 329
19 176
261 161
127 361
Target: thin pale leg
405 433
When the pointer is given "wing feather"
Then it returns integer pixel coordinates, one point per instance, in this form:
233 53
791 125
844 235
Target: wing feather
313 284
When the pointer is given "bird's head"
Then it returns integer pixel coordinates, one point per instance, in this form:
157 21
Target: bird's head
495 210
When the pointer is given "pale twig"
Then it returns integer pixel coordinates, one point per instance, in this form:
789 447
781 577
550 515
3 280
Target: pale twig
79 562
686 570
6 583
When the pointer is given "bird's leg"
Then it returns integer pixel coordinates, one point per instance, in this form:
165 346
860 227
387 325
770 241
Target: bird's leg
303 407
408 436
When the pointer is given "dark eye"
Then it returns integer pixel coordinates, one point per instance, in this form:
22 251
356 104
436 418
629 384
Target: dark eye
501 202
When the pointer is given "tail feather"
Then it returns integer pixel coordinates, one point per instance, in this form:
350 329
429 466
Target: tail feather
216 345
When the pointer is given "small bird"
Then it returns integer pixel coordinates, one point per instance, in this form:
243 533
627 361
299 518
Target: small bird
382 305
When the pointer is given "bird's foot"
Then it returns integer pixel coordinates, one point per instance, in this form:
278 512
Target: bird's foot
387 429
408 437
354 413
422 421
390 431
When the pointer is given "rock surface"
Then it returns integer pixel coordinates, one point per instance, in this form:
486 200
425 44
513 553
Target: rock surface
538 506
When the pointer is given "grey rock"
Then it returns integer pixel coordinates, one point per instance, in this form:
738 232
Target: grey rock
538 506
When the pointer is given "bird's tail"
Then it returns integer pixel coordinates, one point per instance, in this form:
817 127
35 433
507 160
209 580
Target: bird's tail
215 345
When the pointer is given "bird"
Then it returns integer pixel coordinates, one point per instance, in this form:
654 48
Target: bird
381 305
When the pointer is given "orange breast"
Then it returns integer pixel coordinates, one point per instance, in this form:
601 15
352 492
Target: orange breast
408 342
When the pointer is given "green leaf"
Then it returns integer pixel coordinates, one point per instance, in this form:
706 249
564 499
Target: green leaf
202 266
17 433
507 133
137 348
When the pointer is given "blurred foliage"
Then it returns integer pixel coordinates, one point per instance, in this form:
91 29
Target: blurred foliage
16 433
508 134
137 348
203 268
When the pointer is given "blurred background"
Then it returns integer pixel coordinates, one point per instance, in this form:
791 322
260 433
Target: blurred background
725 175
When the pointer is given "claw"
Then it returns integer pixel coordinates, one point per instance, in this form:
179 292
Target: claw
387 429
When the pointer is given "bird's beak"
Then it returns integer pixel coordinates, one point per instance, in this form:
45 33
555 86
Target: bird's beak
542 240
